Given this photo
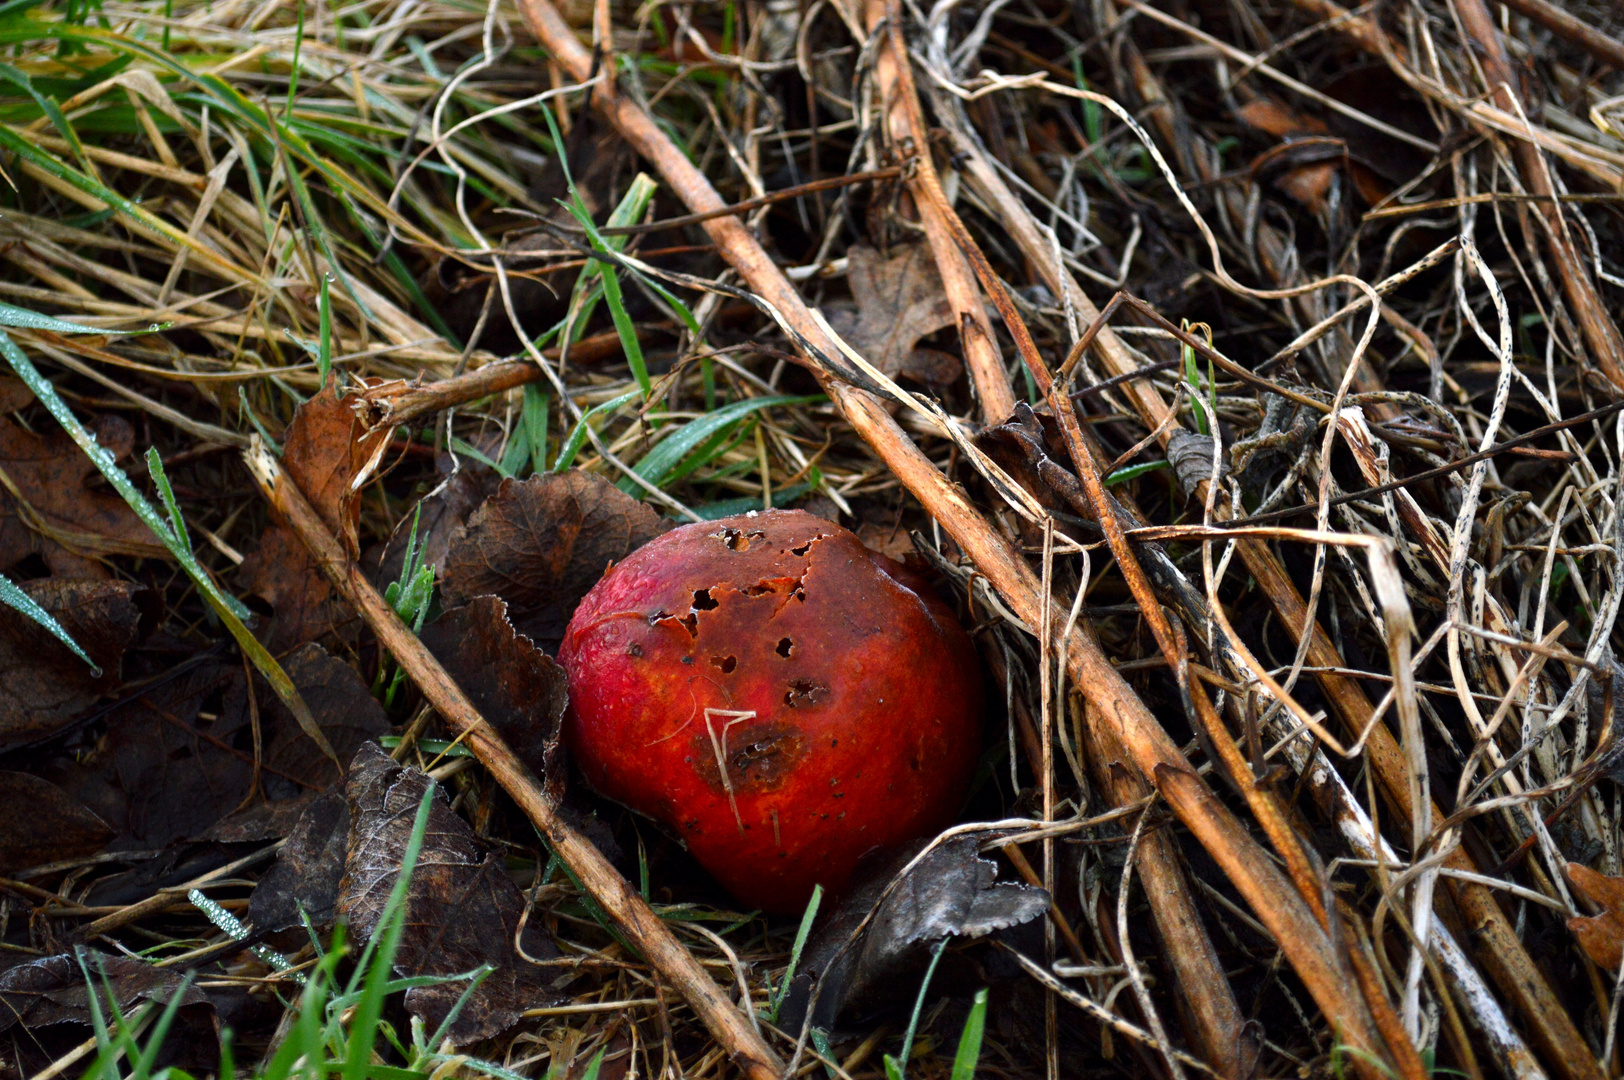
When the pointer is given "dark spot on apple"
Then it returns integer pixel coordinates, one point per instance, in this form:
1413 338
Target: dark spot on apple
634 649
758 757
703 601
687 660
761 589
726 663
785 645
804 692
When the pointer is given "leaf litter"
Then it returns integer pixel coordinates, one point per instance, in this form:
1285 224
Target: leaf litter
1304 138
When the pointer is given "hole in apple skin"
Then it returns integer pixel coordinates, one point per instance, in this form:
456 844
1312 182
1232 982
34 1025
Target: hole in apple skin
725 663
703 600
785 647
805 692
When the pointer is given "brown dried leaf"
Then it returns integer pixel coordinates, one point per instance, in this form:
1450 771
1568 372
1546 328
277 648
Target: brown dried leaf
51 990
308 868
181 755
900 299
1600 936
48 508
518 689
43 685
45 824
462 909
541 543
304 606
324 449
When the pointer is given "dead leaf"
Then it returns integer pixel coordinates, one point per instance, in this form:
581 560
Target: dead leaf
14 394
899 300
462 908
51 990
304 605
1600 936
43 685
181 755
48 508
541 543
1275 118
952 892
44 824
343 706
325 448
308 868
439 516
518 689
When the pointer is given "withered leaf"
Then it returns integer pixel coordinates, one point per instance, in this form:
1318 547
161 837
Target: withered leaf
44 823
52 990
304 605
952 892
519 690
438 517
47 506
899 300
43 685
324 449
308 868
343 706
541 544
1600 936
462 909
181 755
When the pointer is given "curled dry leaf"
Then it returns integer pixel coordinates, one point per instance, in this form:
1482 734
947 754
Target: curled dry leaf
48 508
899 299
541 543
952 892
43 685
1600 936
44 824
520 690
325 449
462 909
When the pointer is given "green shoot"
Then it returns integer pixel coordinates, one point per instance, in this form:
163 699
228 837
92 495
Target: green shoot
1133 472
895 1068
411 596
577 438
969 1053
660 463
801 934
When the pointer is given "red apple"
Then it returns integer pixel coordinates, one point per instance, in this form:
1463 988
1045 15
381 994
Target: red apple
780 696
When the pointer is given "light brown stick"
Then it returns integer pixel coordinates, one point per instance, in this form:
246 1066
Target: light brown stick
744 1044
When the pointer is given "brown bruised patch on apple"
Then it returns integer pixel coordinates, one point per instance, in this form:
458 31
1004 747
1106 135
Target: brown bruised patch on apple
782 697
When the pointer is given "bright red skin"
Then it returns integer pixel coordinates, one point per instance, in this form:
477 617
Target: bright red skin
877 748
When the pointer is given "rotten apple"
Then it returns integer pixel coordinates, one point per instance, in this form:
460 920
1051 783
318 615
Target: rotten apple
780 696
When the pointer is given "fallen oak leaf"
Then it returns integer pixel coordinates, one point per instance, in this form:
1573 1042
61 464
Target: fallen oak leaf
900 299
1600 936
883 929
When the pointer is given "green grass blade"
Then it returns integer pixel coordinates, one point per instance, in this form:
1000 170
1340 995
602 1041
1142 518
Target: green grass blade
801 934
14 598
572 445
969 1053
1133 472
659 463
